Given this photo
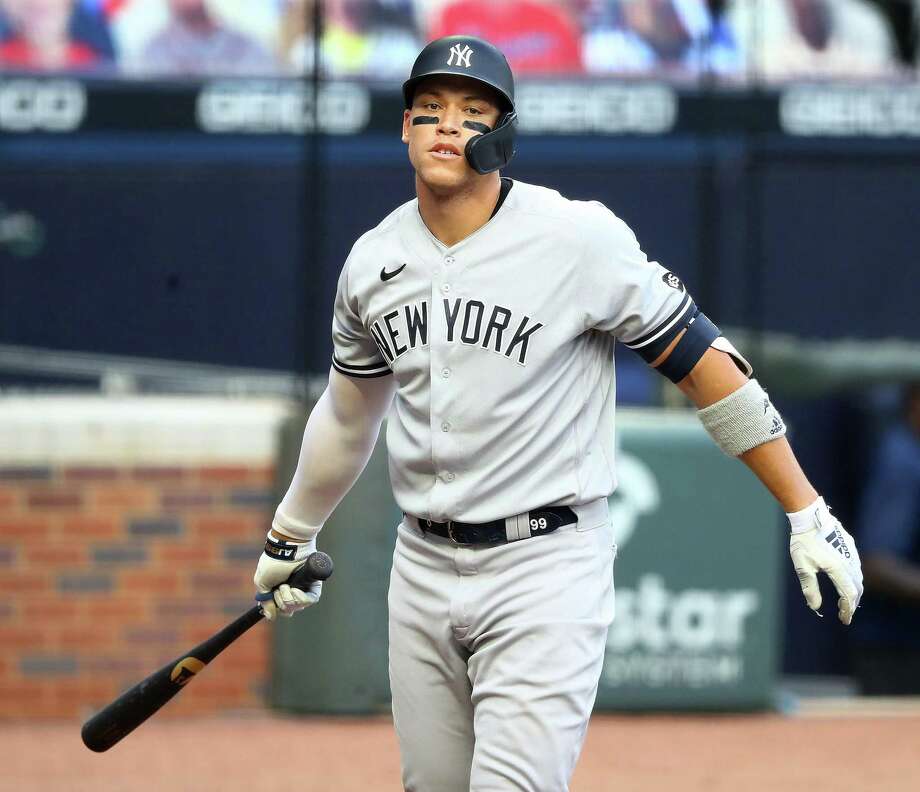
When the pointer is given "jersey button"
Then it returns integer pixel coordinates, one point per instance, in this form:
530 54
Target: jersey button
449 260
449 476
445 372
445 288
445 426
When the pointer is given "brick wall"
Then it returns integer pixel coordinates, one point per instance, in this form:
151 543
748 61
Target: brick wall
111 567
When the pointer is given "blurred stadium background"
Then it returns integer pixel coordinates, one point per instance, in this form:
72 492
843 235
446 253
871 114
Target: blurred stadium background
180 181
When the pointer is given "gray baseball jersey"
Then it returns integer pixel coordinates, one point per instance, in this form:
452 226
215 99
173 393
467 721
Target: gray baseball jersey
502 349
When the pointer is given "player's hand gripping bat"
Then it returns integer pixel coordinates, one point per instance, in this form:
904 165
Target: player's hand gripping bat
133 707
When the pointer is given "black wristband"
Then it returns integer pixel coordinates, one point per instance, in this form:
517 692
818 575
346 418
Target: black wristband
286 551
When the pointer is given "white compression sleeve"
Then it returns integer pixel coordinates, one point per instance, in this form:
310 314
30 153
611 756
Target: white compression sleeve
337 443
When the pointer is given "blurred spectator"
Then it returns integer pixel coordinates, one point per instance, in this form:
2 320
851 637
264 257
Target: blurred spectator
812 38
537 37
90 22
52 35
679 37
194 42
376 39
887 651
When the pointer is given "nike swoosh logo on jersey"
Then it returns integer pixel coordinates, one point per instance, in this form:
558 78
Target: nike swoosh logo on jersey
385 276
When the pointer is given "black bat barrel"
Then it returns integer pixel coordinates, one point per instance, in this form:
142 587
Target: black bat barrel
133 707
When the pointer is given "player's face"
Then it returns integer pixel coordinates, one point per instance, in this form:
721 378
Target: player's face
436 147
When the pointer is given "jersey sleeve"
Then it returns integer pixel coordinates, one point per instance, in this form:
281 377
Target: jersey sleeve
354 351
638 301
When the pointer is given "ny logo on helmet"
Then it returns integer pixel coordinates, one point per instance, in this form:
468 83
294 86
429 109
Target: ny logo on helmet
460 52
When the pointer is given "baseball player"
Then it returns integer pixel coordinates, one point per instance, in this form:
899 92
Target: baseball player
480 318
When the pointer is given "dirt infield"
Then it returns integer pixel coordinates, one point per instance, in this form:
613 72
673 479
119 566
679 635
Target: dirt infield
263 753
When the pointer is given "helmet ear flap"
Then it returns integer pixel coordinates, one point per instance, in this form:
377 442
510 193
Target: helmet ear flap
493 150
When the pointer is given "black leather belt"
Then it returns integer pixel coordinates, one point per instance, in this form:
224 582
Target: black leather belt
539 521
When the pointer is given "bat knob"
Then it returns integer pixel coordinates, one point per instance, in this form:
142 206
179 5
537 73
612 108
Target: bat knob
98 736
318 566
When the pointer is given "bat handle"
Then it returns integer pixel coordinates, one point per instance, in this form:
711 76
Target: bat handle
318 566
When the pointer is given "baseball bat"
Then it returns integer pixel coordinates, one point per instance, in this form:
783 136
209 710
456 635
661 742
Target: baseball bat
133 707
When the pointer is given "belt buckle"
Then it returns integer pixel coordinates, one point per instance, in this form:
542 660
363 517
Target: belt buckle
450 532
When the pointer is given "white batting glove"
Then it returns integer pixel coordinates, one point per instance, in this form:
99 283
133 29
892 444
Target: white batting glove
819 543
279 559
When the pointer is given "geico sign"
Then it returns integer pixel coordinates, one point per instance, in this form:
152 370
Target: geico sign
877 111
282 107
41 105
653 618
605 108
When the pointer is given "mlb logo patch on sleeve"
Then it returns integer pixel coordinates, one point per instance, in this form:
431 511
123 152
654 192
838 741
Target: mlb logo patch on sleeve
670 279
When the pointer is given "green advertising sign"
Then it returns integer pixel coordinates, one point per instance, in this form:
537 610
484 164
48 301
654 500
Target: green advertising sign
695 576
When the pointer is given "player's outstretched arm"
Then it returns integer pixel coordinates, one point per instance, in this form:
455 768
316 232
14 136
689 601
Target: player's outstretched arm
744 423
337 443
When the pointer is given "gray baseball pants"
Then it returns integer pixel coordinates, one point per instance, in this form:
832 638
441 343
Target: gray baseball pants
495 655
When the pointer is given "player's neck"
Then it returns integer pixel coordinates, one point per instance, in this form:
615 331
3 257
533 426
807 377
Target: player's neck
453 217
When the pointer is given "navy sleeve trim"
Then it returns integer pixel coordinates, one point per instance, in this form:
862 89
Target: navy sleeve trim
691 347
363 367
652 344
363 372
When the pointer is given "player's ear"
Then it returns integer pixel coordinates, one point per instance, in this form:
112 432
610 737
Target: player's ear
405 131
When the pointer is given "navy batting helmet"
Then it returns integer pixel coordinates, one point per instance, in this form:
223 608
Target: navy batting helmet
479 60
